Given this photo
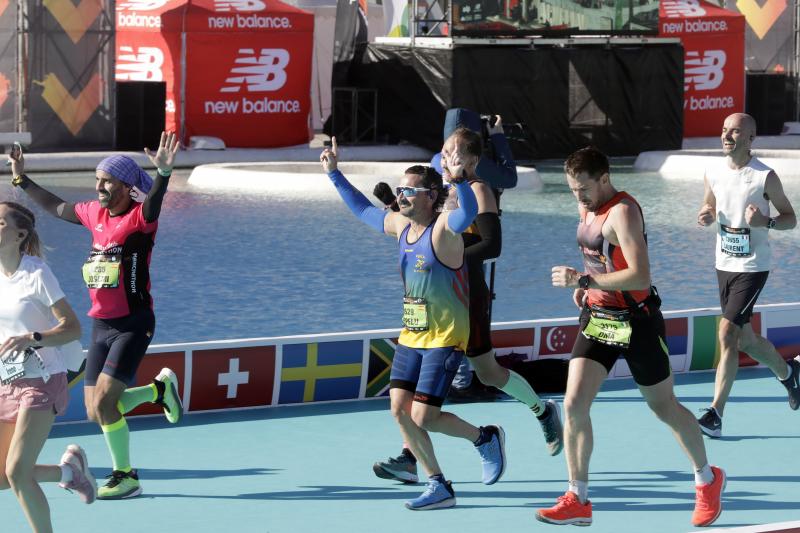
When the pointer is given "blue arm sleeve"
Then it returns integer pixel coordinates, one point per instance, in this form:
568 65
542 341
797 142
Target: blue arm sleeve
460 219
357 202
500 173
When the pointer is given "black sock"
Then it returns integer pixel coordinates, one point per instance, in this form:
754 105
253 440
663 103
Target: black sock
438 477
408 453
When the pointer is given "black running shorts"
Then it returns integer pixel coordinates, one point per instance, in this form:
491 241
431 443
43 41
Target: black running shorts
118 345
738 292
647 354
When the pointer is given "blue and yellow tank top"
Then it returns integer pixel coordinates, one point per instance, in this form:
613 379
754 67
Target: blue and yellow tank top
436 302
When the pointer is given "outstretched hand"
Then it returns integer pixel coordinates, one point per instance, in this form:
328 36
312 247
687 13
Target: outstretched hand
329 156
16 160
164 158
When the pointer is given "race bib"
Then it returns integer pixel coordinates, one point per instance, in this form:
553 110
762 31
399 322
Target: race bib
101 271
609 331
415 314
13 365
11 371
734 241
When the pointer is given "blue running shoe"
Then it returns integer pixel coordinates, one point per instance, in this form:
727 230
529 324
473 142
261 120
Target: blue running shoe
436 496
493 455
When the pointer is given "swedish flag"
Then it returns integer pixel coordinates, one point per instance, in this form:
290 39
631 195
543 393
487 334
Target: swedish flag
322 371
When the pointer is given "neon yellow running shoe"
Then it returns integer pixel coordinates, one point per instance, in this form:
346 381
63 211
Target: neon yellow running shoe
168 397
120 486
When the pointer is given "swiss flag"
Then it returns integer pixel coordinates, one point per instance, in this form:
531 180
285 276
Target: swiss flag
149 368
232 377
557 340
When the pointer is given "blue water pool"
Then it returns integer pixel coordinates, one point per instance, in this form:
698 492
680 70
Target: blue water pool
251 264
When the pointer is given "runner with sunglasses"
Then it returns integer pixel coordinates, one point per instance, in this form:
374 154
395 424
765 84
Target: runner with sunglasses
435 311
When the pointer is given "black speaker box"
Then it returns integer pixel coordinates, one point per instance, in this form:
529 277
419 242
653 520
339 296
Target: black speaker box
140 114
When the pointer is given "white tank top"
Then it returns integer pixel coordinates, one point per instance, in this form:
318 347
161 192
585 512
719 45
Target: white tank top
740 248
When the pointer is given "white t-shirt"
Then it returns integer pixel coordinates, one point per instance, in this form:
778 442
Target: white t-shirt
740 248
25 301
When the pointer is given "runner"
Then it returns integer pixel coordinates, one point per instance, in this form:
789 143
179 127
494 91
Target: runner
35 320
738 191
620 315
435 311
483 242
123 222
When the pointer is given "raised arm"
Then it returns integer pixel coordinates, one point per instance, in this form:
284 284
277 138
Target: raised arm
47 200
501 171
164 160
357 202
488 222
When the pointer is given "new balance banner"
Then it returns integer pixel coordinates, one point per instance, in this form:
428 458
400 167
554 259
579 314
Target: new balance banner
255 92
713 44
250 86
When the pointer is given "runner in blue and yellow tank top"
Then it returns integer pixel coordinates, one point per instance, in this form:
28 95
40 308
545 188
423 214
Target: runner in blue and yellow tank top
436 288
435 310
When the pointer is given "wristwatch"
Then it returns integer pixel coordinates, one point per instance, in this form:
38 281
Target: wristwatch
771 222
583 281
19 180
37 337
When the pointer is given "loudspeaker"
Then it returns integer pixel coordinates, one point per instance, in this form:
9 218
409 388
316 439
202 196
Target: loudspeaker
768 99
141 114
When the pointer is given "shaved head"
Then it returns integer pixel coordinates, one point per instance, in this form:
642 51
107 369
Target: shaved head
745 122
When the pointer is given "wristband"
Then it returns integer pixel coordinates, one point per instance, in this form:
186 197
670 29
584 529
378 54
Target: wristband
164 173
19 181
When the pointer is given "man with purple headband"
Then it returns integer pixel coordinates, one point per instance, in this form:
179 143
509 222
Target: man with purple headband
123 222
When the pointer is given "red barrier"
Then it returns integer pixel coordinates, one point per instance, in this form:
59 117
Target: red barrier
713 42
239 70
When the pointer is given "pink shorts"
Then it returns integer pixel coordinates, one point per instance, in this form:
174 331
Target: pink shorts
33 393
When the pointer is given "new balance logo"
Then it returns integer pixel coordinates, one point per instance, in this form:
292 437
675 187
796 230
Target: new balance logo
140 64
704 72
682 8
222 6
140 5
259 73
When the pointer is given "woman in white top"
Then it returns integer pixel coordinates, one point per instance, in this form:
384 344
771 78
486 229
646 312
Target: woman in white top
35 320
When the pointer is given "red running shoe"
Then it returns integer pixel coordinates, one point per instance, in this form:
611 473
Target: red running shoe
567 510
708 501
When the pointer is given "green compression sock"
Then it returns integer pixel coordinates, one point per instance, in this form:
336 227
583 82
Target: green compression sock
118 441
136 396
519 389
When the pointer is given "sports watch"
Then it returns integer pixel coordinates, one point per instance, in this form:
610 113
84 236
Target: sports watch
771 222
583 281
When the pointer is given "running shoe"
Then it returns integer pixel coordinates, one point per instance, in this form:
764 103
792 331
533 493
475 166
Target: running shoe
82 481
437 495
552 428
120 486
792 383
710 423
168 396
567 510
708 500
493 455
401 468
